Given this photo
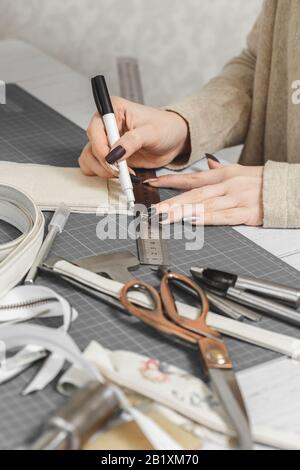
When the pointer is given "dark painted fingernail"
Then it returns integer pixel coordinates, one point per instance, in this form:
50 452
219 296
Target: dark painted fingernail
212 157
115 155
135 179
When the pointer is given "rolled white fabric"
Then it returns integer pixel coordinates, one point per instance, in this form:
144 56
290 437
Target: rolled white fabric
17 256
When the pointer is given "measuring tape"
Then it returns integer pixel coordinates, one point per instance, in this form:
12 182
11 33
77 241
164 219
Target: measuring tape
152 248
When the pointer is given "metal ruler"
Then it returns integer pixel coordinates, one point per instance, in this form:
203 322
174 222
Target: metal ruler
152 248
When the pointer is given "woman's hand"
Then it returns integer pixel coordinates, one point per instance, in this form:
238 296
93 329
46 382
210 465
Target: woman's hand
230 195
150 138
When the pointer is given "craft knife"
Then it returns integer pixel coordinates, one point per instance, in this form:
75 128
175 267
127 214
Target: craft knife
56 226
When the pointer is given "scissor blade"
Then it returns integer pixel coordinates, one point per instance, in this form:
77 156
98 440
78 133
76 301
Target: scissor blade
228 391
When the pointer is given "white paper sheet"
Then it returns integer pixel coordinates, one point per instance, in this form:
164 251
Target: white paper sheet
267 238
272 393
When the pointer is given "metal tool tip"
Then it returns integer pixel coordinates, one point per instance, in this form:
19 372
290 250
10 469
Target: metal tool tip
60 217
196 270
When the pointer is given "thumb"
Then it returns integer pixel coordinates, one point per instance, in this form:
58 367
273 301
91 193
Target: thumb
130 143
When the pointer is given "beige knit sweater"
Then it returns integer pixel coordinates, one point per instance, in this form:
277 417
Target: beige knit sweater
253 102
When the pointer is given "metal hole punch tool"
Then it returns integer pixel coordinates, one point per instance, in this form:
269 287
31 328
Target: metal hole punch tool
282 293
261 304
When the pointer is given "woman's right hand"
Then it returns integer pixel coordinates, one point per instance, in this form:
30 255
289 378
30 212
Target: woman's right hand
150 138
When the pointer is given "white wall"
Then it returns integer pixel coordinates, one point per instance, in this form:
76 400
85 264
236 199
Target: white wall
180 43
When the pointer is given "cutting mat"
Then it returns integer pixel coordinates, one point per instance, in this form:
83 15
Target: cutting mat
32 132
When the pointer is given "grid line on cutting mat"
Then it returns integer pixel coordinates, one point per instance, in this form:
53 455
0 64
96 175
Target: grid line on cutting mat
31 132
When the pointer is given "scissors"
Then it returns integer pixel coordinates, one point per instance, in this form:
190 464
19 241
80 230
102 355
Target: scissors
214 354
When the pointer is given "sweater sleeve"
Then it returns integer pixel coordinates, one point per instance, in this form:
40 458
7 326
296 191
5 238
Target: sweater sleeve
281 195
218 116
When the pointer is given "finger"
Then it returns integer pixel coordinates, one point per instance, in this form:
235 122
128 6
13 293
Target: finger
119 107
213 165
236 216
182 181
190 180
82 161
187 204
90 166
196 214
219 203
98 138
147 161
99 144
133 141
195 196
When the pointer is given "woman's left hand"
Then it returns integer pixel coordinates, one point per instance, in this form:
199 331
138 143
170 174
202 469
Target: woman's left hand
226 195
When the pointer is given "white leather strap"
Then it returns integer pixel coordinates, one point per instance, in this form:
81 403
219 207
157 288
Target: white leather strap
17 256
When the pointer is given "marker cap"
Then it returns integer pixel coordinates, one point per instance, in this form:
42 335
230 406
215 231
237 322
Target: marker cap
101 95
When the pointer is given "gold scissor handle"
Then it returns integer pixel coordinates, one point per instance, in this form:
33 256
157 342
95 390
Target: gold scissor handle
155 312
200 323
214 352
155 316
